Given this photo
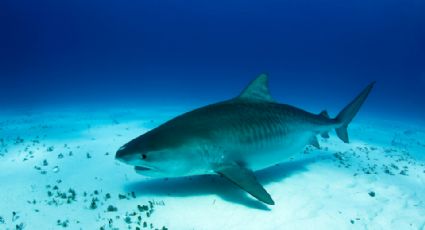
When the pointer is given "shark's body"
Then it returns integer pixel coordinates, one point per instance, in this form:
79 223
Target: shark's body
234 138
257 135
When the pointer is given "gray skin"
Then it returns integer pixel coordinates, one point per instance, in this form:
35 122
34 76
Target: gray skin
234 138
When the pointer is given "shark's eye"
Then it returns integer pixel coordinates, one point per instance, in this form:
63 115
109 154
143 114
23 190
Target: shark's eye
144 156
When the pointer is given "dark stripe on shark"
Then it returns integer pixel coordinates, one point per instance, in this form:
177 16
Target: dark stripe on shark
268 130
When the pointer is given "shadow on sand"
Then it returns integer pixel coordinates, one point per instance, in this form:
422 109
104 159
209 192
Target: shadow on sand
215 184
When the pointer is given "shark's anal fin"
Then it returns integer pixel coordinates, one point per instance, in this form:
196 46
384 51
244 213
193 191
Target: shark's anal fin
315 142
324 114
245 179
325 135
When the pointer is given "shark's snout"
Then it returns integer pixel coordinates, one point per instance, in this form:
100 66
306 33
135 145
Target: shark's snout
123 155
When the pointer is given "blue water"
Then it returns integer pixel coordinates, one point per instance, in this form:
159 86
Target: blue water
124 67
317 53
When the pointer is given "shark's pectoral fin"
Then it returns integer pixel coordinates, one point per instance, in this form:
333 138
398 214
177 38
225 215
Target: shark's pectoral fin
245 179
315 142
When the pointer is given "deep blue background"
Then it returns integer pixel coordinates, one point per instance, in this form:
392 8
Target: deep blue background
319 53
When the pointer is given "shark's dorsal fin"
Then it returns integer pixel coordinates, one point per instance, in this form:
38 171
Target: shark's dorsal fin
245 179
257 90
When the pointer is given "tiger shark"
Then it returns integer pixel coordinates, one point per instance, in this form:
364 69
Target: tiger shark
235 138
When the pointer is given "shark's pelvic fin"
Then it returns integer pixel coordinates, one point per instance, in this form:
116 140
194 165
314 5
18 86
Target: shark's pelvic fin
257 90
245 179
348 113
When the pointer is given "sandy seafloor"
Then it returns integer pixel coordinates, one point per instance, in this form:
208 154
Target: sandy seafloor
57 171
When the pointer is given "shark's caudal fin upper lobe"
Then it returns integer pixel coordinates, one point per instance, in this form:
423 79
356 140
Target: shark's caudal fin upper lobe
348 113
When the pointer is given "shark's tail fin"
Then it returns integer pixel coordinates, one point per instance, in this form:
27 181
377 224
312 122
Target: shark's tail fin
347 114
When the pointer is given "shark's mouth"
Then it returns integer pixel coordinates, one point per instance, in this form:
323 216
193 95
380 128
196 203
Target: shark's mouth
141 168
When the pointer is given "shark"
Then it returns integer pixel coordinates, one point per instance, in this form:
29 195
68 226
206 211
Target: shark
235 138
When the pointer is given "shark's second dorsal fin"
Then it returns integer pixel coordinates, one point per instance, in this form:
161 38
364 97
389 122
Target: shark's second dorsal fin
257 90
